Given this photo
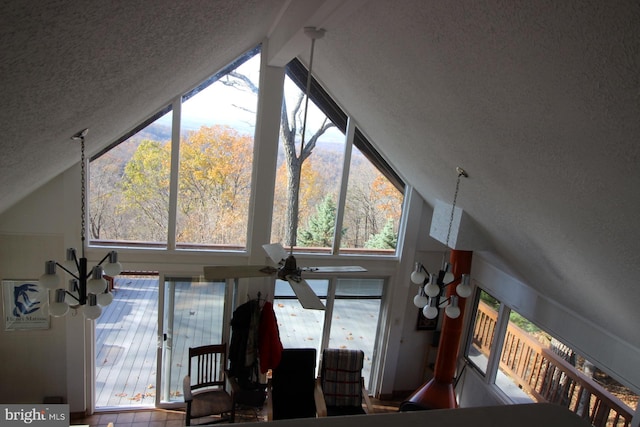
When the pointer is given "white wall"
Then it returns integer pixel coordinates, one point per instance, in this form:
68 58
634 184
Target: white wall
33 362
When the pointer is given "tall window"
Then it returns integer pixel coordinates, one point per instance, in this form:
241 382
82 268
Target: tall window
216 153
372 210
308 177
311 178
129 187
129 191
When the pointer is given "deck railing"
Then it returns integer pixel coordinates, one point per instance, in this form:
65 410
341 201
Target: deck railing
547 377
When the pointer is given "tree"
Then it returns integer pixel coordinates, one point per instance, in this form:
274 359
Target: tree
321 227
291 124
214 186
145 189
386 239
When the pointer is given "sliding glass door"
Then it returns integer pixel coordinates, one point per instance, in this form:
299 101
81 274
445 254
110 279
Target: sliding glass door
194 312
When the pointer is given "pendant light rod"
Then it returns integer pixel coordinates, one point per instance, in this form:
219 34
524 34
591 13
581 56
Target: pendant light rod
313 33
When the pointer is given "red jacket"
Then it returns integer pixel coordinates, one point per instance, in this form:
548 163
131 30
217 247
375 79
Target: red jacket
269 344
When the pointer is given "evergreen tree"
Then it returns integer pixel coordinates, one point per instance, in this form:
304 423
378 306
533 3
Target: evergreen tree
321 226
386 239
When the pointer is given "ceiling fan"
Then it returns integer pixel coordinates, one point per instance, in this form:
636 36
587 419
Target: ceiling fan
286 269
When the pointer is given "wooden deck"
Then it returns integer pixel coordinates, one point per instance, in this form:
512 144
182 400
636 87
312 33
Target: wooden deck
126 336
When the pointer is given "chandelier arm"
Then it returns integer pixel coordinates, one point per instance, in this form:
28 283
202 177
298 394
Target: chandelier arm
441 302
423 268
72 296
104 259
444 285
67 270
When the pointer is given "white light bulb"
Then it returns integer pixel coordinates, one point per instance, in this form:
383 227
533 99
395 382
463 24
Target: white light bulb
430 312
113 267
418 277
448 277
432 290
452 311
91 309
58 307
463 290
70 261
96 286
72 291
49 281
104 299
420 300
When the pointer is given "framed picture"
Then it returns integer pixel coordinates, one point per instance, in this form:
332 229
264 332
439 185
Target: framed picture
25 304
424 324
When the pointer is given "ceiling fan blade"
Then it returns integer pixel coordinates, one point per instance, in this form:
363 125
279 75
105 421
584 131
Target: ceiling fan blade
276 252
335 269
236 271
305 294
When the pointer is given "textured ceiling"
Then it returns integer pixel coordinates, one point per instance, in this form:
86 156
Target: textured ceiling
538 101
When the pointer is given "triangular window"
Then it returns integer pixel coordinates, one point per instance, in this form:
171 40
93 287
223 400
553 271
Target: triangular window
362 197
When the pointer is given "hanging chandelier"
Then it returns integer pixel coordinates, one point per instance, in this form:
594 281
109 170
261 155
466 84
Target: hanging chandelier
87 290
431 291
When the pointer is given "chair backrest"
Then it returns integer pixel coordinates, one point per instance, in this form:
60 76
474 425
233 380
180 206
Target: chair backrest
341 376
293 383
207 365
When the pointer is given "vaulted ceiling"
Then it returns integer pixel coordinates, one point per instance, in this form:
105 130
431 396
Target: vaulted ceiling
538 101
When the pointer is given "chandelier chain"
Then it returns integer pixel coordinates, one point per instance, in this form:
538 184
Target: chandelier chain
461 173
82 193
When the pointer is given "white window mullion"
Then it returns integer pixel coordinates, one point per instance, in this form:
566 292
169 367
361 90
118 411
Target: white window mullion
498 341
348 148
175 166
328 314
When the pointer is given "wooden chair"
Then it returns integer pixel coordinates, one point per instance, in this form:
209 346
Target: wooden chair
206 390
290 393
341 383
